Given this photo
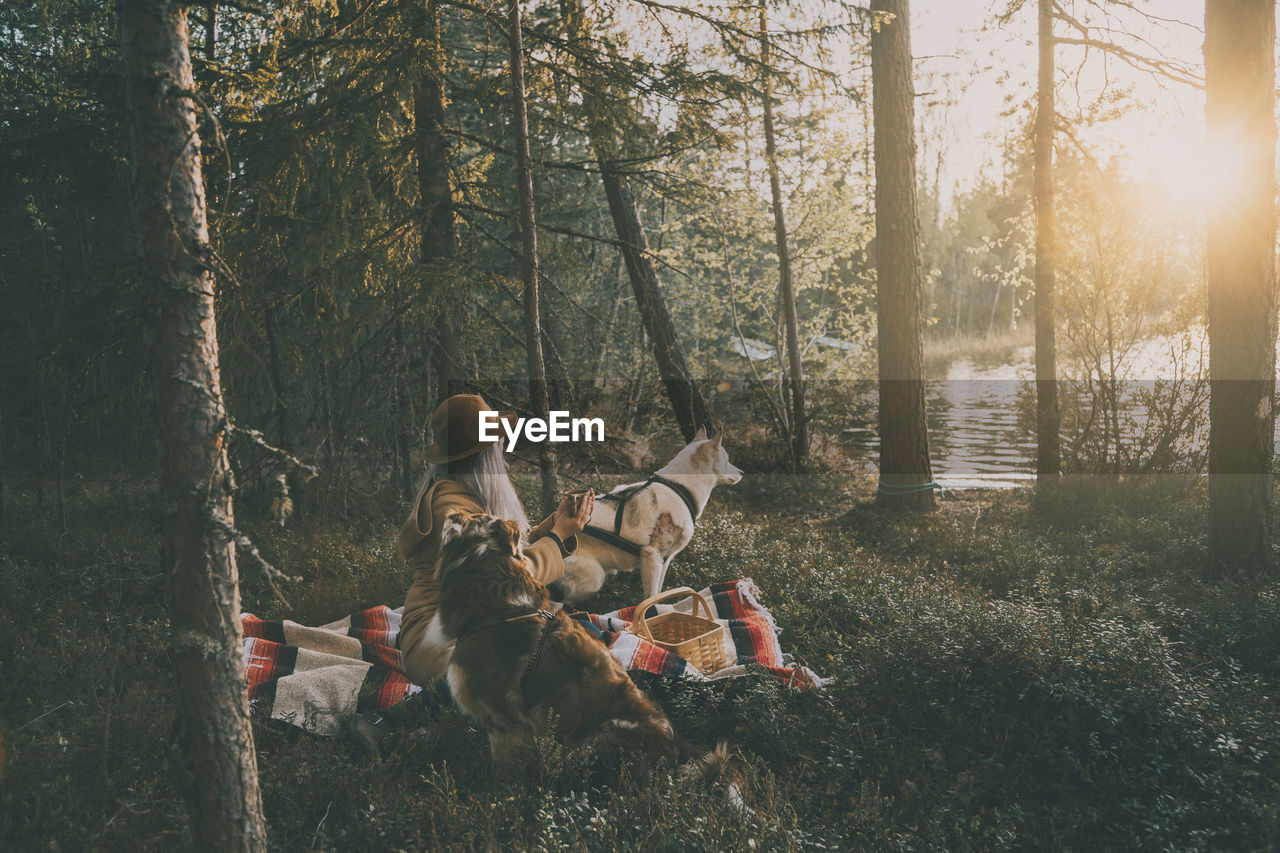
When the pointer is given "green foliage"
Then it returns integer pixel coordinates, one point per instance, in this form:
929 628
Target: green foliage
72 349
978 259
1003 680
329 322
1131 402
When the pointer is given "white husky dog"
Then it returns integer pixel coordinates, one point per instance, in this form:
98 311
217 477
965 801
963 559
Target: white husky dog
643 525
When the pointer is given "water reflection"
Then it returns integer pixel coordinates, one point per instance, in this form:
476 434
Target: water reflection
976 439
981 433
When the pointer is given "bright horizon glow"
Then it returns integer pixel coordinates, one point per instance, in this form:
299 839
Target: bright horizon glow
976 84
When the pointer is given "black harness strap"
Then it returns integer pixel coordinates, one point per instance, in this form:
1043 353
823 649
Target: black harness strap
495 623
682 491
614 538
547 618
611 538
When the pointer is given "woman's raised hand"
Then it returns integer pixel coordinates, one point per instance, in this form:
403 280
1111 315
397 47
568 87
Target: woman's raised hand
567 524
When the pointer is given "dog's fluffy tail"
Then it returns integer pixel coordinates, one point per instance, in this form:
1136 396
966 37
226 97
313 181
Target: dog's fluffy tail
721 771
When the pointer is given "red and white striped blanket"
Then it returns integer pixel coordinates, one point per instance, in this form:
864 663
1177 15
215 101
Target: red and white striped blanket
317 678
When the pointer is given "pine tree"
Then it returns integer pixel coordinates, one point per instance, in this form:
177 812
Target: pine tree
1239 48
798 416
1048 454
529 233
906 476
196 482
687 403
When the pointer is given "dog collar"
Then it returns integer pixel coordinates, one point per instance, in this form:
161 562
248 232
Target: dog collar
537 614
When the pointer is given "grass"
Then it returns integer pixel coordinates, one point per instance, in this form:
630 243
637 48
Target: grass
1005 679
994 348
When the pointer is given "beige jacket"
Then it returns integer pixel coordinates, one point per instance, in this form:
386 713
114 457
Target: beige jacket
419 545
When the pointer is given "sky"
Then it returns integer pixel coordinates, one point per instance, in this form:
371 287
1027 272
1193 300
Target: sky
978 64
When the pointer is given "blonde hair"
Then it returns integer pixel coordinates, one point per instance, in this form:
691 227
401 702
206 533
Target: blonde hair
485 476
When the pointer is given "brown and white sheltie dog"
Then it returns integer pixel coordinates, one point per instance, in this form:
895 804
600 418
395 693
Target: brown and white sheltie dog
514 664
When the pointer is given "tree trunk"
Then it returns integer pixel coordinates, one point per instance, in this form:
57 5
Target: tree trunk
402 410
2 455
437 223
196 485
1048 454
277 383
799 438
906 477
686 400
332 453
597 375
635 387
1239 42
529 233
211 32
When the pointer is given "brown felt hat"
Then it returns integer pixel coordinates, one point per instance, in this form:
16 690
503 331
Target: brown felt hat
455 424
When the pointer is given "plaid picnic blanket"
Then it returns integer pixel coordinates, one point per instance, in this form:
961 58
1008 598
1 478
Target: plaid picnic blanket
317 678
750 637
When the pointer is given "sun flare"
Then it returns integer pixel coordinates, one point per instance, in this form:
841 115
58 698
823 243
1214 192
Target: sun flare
1205 173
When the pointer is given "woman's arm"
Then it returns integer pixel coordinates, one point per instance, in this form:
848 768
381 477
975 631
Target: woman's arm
555 538
545 560
542 529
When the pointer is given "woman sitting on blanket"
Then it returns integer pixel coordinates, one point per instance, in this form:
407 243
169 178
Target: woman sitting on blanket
468 475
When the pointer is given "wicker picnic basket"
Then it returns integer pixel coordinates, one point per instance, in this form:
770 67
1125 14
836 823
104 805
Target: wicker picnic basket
697 639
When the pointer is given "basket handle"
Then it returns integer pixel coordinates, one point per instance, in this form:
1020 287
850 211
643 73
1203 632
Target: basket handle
638 625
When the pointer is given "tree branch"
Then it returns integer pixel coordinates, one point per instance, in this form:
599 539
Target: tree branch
1157 66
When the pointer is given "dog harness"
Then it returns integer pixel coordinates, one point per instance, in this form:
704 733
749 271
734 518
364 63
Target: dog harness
614 537
486 625
547 618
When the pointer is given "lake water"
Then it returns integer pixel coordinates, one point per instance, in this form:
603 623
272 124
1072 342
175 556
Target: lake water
976 436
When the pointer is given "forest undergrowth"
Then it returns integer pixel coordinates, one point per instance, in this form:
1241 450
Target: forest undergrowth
1005 677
